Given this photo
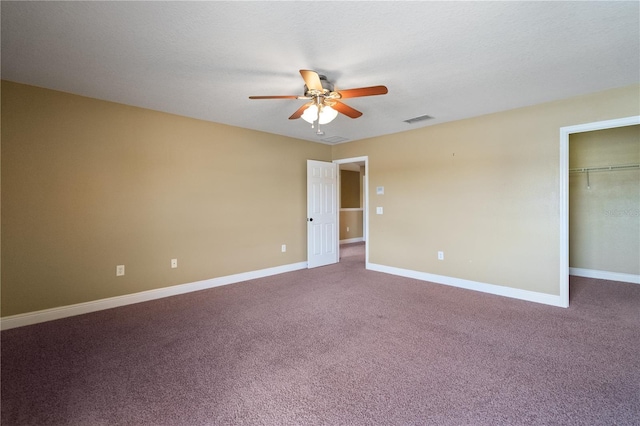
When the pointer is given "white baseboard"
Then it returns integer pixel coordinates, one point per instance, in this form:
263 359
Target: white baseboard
30 318
530 296
605 275
352 240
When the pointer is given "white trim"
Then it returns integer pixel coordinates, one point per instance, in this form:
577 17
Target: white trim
365 214
352 240
564 190
30 318
530 296
351 209
564 217
605 275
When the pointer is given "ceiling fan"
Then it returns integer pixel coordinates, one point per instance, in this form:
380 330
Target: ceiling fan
325 103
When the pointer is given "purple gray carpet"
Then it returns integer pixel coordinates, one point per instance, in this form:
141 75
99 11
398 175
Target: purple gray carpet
336 345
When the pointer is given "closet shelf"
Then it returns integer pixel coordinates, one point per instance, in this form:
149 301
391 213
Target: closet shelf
605 168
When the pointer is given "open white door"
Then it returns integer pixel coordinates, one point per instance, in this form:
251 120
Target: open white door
322 213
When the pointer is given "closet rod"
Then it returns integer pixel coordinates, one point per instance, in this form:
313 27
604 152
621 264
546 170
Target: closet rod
605 168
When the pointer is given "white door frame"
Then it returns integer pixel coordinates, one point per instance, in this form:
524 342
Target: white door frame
365 201
565 132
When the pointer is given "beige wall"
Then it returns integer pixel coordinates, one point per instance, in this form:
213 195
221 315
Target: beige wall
349 189
604 218
483 190
350 224
88 185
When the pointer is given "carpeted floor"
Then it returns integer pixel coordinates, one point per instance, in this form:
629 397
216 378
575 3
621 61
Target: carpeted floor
336 345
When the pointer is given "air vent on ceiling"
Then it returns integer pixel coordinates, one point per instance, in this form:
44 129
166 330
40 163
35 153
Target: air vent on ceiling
419 118
334 139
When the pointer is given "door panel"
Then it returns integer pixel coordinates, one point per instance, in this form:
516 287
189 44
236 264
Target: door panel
322 213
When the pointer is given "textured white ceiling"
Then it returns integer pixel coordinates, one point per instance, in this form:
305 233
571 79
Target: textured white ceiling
450 60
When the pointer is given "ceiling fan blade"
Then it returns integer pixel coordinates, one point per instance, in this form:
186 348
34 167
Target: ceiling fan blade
346 110
363 91
300 111
273 97
311 79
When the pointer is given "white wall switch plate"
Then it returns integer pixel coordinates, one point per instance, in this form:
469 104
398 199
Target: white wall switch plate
119 270
174 263
380 190
378 210
440 255
284 248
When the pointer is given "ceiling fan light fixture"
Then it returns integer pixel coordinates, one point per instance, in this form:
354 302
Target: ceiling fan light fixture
327 114
310 114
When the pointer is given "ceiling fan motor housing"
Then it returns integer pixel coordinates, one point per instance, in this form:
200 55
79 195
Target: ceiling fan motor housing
326 85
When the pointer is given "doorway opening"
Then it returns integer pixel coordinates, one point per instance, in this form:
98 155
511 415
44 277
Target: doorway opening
353 220
565 132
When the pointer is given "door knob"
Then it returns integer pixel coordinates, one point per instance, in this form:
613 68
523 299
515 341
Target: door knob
310 219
